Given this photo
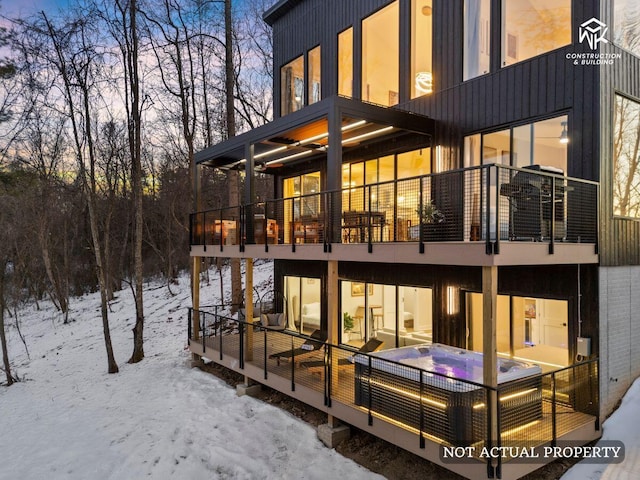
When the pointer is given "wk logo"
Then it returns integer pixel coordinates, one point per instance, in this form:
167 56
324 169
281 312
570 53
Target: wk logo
593 31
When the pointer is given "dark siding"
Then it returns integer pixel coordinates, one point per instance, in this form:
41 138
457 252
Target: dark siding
619 237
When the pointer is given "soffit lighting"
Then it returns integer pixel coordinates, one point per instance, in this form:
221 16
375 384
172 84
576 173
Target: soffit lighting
367 135
290 157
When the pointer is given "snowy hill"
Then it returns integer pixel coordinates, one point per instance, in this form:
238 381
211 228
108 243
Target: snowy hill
158 419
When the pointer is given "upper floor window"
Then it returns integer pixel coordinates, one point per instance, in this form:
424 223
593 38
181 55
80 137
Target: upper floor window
626 158
380 56
626 24
421 47
542 143
315 91
345 62
533 27
477 28
292 86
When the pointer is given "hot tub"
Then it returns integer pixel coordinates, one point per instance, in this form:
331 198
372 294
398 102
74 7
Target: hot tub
448 380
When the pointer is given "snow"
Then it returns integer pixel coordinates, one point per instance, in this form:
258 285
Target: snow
158 418
623 425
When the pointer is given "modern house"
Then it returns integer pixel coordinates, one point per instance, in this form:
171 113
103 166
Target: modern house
457 180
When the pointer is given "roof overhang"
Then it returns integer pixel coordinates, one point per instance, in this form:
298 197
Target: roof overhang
304 134
278 10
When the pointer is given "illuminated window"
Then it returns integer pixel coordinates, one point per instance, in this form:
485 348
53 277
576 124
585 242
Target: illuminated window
421 51
626 158
292 86
315 91
380 56
477 28
531 27
345 63
303 296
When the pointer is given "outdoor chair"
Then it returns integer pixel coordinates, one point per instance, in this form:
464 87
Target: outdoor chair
311 345
317 366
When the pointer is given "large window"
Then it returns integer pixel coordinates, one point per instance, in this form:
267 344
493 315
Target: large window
626 158
421 50
315 90
397 315
533 27
345 63
303 303
477 28
542 143
380 56
292 86
303 203
626 26
534 329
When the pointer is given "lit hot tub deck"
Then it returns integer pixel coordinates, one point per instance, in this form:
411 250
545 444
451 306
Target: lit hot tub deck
438 389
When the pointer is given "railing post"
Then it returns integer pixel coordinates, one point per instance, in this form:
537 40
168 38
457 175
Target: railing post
293 226
241 331
422 443
219 322
328 352
370 419
487 215
203 333
552 225
554 432
496 245
293 365
489 427
265 353
420 215
189 326
369 218
203 231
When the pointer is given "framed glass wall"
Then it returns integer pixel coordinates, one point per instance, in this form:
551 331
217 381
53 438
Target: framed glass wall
381 56
392 200
306 208
477 29
303 296
313 76
345 62
421 47
533 27
397 315
528 328
292 86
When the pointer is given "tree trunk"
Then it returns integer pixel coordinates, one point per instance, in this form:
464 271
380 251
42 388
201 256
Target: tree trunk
3 338
234 196
136 161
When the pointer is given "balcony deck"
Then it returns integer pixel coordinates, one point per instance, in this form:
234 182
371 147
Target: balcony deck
492 215
338 398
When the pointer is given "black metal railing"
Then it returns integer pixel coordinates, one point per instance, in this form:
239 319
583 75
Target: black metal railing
492 203
531 411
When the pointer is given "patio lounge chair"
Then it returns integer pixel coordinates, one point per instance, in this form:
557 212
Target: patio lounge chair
312 344
317 366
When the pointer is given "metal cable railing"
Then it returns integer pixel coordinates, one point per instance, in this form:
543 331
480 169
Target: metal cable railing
492 203
453 411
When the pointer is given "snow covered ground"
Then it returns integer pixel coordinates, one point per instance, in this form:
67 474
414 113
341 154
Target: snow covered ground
161 419
158 419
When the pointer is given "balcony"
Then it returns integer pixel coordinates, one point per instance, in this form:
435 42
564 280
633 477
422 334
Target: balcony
492 214
419 410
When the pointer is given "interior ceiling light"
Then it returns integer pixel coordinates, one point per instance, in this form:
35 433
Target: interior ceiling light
427 11
564 136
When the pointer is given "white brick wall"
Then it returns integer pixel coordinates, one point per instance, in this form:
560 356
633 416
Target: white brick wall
619 332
